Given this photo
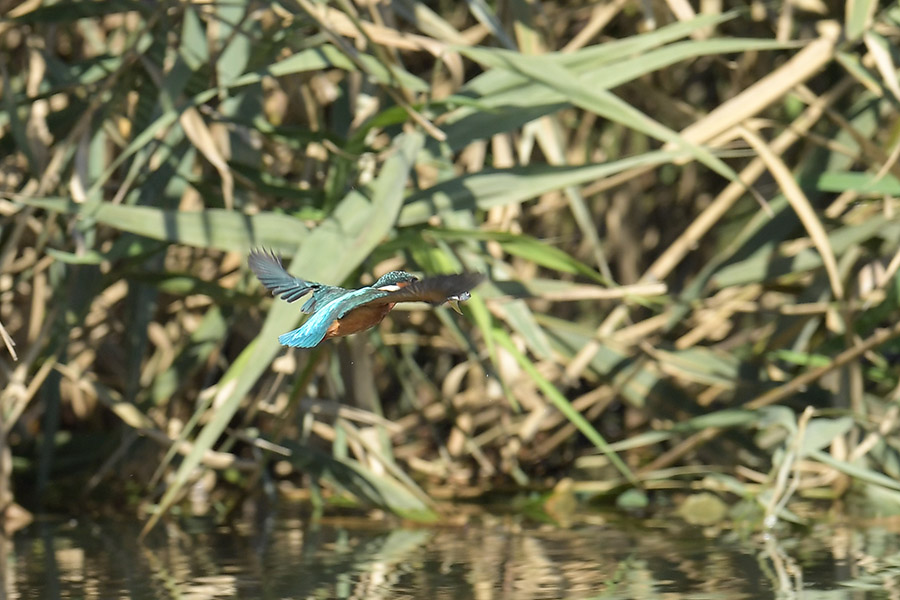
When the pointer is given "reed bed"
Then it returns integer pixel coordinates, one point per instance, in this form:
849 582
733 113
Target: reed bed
689 221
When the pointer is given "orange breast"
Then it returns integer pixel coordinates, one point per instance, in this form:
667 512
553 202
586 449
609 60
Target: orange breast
358 319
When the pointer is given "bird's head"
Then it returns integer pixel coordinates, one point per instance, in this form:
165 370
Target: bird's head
393 281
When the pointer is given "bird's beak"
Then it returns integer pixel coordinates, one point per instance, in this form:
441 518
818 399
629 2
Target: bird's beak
454 304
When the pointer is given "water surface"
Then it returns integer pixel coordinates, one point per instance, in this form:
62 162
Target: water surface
491 558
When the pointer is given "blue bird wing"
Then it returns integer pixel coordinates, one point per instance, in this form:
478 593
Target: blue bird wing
323 296
434 290
271 273
315 327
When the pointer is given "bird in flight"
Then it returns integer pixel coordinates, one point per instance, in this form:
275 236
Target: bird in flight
336 311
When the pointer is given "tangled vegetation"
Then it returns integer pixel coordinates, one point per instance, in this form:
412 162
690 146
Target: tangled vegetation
689 222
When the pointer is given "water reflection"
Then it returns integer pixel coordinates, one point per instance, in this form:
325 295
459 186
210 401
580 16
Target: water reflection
499 558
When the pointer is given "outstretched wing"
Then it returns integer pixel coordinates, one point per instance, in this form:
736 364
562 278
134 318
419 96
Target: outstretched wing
272 274
314 328
434 290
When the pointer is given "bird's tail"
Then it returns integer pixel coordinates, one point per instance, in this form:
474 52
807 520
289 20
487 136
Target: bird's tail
301 338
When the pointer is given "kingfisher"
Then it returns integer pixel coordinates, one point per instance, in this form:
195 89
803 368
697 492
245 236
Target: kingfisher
337 311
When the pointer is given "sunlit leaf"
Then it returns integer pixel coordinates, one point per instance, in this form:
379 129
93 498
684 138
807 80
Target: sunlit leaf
356 227
820 433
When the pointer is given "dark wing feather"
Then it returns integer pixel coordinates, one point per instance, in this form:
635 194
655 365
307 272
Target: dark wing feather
271 273
434 290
